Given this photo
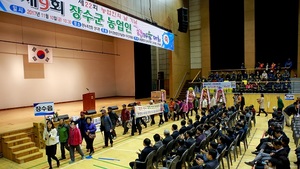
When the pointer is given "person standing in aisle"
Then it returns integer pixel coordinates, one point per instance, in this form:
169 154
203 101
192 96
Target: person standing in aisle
261 102
242 102
74 142
280 104
63 133
50 138
166 111
125 117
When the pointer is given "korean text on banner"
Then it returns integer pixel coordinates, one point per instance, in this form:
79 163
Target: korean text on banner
216 85
43 109
89 16
289 97
147 110
39 54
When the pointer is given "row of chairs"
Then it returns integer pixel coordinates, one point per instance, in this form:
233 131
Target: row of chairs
187 157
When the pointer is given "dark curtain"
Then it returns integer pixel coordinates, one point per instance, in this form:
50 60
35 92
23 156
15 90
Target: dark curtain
142 70
226 34
276 31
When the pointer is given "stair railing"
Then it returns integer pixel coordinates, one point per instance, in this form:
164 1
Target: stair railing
182 82
197 75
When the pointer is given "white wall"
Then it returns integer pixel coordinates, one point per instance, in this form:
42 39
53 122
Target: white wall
72 70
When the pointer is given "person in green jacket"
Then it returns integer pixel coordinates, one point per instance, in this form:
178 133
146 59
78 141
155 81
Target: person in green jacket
280 104
63 133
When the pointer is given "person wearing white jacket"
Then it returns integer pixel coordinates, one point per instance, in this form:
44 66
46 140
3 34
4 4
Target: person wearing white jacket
50 137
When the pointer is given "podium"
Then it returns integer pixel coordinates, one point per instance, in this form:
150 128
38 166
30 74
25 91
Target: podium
88 101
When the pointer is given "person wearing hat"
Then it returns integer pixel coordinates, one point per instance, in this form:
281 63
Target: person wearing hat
106 126
81 125
125 117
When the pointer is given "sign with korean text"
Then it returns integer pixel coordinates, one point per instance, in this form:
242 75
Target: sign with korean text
85 15
39 54
217 85
148 110
43 109
289 97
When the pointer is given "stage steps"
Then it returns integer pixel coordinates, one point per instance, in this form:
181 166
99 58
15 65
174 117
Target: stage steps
19 148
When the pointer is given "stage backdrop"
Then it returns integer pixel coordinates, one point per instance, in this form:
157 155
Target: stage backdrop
80 60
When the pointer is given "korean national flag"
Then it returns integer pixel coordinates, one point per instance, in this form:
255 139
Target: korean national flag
39 54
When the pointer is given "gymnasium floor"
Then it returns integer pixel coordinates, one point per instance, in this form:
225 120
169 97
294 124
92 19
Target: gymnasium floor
125 146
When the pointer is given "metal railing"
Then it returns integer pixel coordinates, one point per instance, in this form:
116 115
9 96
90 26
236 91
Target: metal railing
196 77
292 86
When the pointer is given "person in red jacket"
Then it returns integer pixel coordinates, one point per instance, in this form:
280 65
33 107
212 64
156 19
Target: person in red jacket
74 141
125 117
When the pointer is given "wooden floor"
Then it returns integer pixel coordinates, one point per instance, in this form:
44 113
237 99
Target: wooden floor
125 146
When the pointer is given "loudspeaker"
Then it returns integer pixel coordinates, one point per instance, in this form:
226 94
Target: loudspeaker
131 105
160 84
160 76
89 112
65 116
183 19
113 107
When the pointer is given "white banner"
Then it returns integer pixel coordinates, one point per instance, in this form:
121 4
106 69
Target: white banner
217 85
289 97
43 109
147 110
39 54
85 15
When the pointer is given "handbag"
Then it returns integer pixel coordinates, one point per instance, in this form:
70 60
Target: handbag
92 136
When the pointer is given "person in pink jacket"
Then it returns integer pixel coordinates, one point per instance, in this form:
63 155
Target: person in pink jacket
74 141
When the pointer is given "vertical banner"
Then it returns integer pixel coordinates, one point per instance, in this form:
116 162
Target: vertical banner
39 54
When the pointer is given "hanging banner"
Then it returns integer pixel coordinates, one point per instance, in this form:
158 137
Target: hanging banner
43 109
148 110
38 54
216 85
85 15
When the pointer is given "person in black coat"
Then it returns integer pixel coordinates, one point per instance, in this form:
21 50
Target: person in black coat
212 162
288 111
81 125
175 133
183 127
114 118
142 154
197 121
189 140
178 152
203 118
